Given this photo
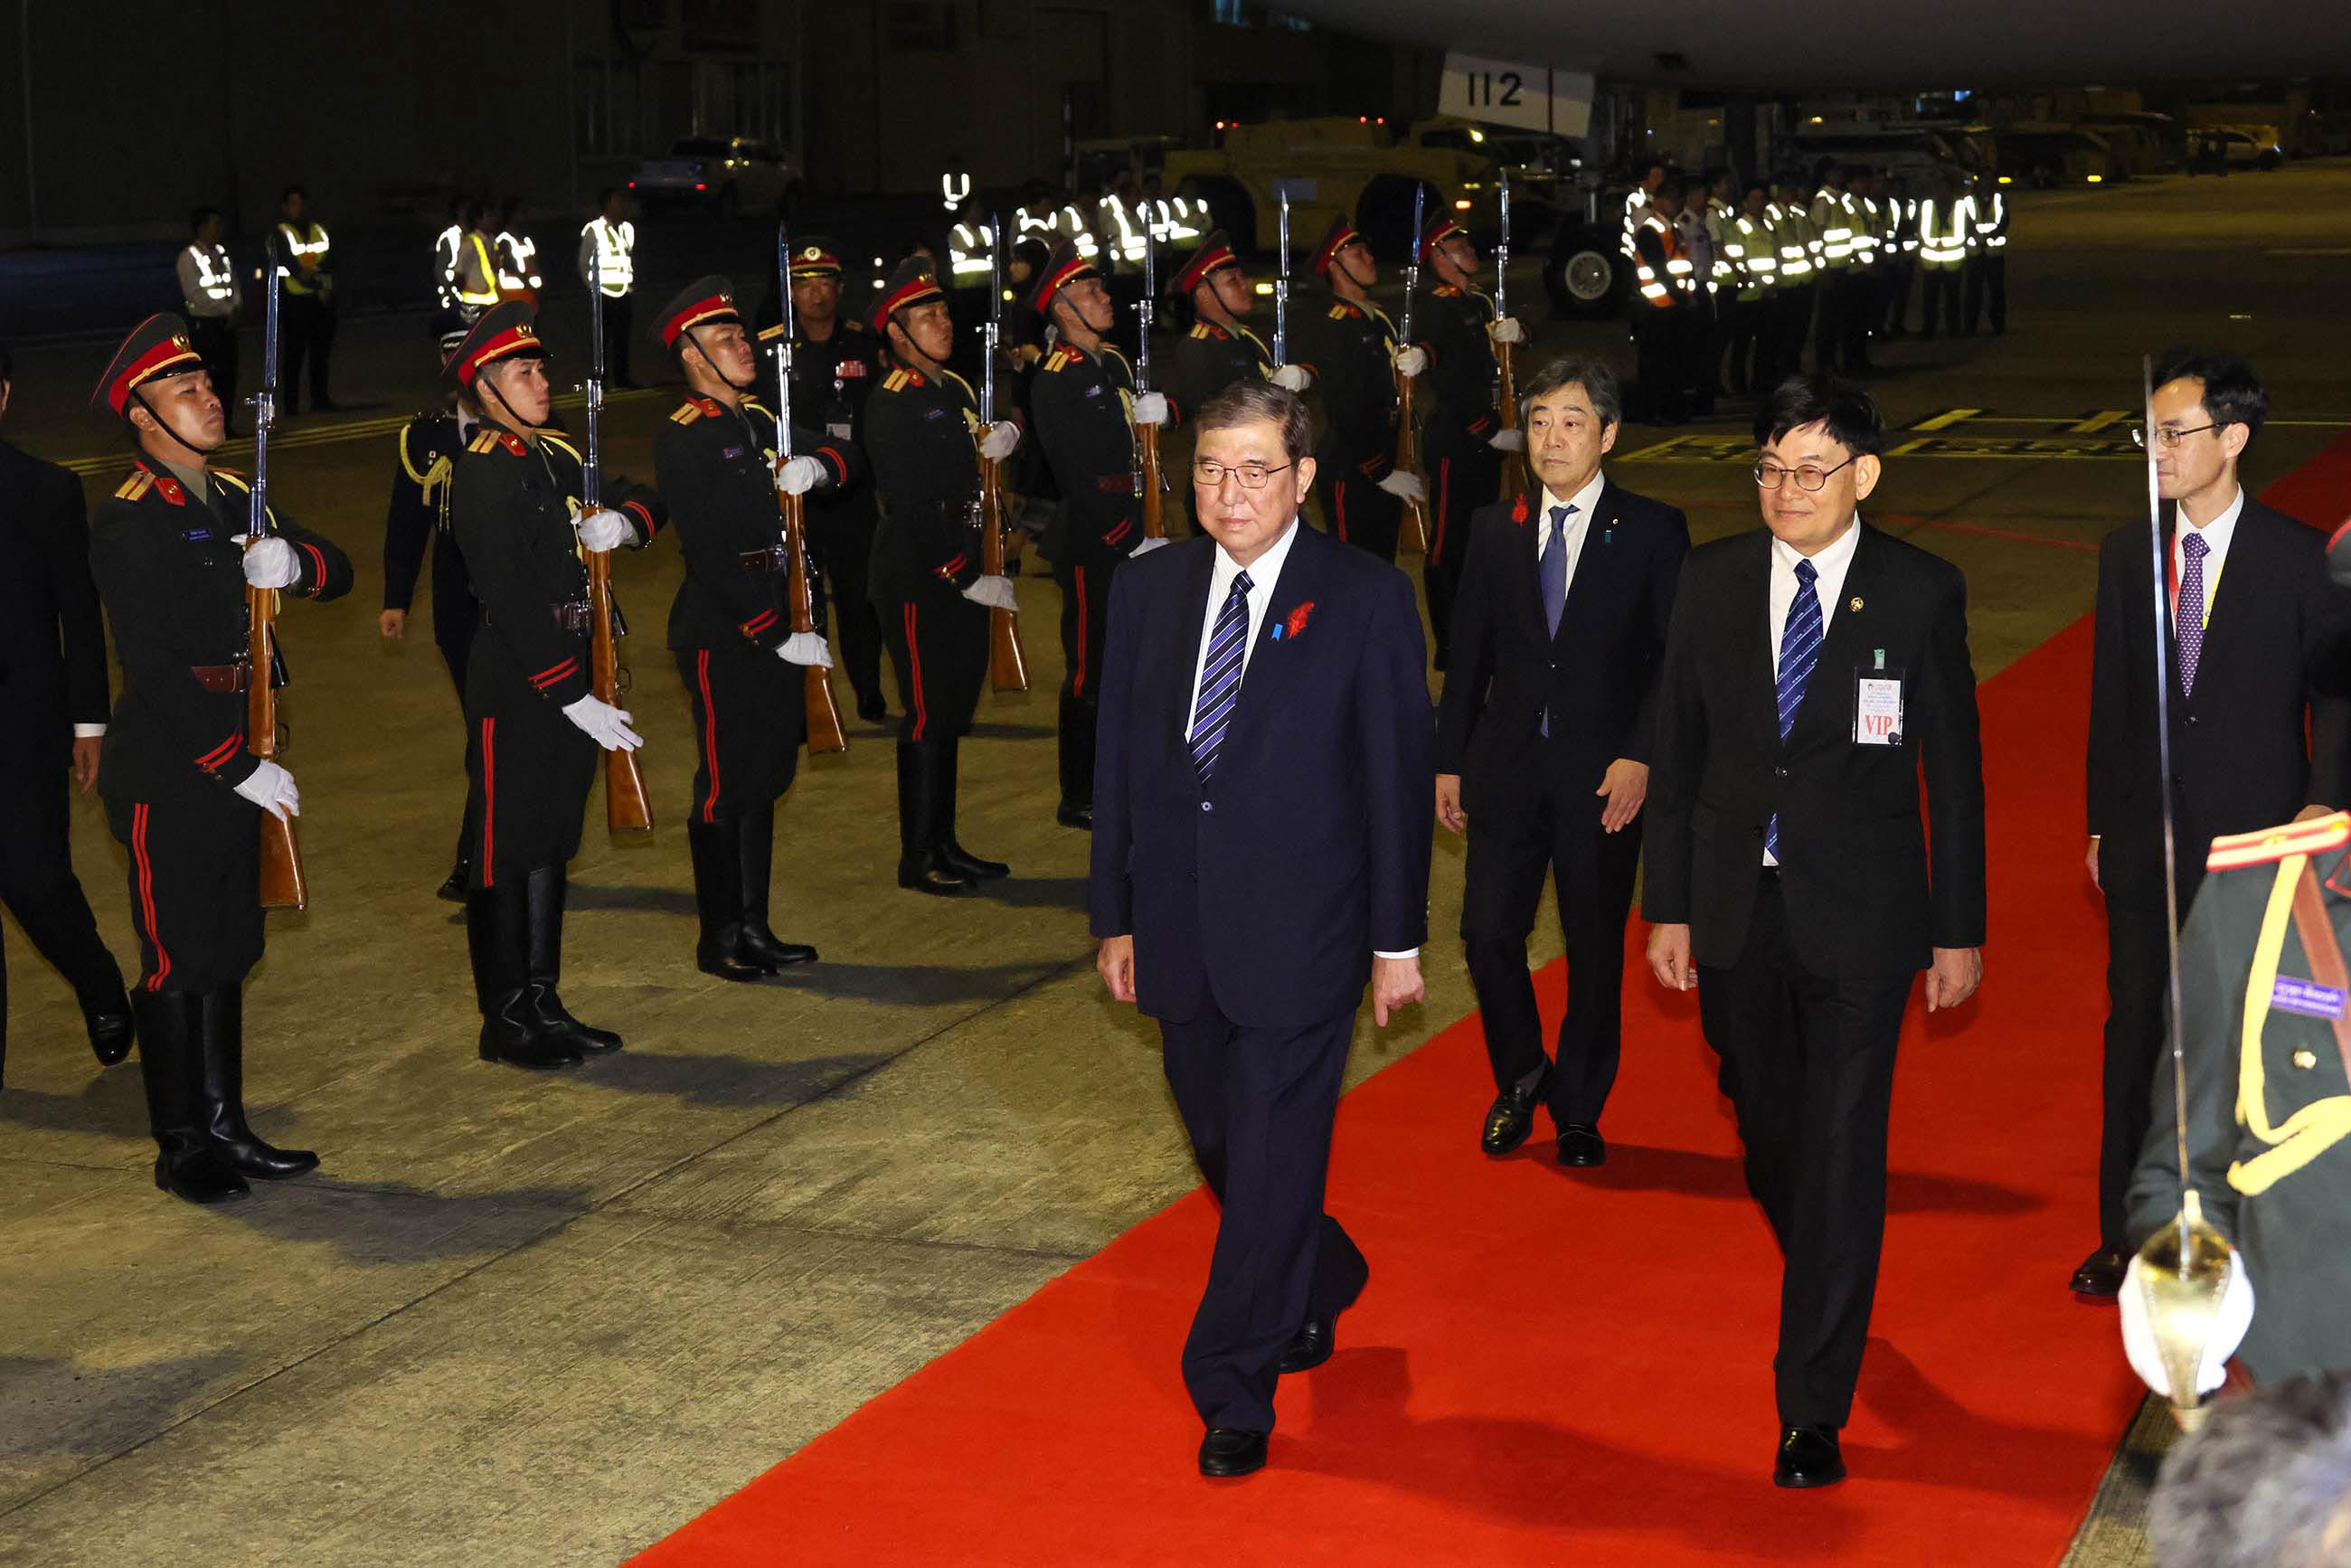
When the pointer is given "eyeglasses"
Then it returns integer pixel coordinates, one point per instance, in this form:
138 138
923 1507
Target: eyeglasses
2168 436
1807 476
1253 475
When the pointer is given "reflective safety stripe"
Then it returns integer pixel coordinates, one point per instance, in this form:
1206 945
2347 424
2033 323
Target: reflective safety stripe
299 279
478 287
616 247
519 257
968 250
217 281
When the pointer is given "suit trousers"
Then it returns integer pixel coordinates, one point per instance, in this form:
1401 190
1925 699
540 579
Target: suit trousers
1257 1106
2138 999
1361 513
38 885
1808 1064
1593 872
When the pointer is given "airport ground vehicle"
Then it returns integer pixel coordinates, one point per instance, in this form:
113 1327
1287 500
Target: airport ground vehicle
724 175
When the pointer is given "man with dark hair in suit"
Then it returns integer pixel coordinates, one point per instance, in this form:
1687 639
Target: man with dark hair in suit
1258 667
2260 722
53 668
1816 668
1542 736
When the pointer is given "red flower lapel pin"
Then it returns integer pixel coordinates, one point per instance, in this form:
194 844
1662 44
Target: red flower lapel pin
1297 621
1519 509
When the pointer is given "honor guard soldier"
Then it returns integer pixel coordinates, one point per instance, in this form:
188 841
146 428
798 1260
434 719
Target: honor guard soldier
1085 409
1360 361
836 365
307 255
535 727
925 441
425 457
184 789
209 292
609 240
1219 350
730 626
1465 442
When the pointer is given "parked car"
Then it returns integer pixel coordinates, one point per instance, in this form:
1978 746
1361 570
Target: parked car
2046 156
2215 148
724 175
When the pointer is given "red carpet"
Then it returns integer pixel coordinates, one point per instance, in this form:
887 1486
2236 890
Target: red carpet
1549 1364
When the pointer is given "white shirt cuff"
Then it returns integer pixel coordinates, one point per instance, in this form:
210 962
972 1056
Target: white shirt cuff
1412 953
89 731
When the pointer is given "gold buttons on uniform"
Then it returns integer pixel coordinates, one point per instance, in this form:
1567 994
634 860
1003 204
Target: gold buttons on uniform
2306 1060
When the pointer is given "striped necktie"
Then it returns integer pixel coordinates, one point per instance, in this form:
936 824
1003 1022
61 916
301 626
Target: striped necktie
1800 650
1221 678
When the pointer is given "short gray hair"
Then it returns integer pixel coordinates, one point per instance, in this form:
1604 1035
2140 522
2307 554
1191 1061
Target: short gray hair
1598 382
2266 1484
1252 401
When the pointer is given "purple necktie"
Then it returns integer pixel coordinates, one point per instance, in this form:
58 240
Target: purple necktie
2187 615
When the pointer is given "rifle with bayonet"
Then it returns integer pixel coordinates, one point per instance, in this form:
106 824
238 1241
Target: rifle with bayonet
1007 671
1150 483
626 808
283 886
1506 398
1282 290
825 731
1412 538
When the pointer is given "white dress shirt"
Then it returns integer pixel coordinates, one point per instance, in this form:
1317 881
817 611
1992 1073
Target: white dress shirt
1263 573
2216 535
1832 563
1578 525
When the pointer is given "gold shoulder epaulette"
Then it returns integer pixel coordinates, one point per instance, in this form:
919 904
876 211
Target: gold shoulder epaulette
487 441
136 486
1341 310
897 381
1058 359
687 412
1200 329
2233 852
767 332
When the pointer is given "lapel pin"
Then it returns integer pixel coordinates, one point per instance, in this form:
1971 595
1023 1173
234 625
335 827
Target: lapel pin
1853 604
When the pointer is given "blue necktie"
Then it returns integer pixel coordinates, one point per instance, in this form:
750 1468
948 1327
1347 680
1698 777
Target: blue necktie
2187 620
1221 678
1550 576
1800 650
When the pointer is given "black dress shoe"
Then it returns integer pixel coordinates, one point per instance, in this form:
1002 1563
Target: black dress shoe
1581 1144
1081 817
111 1030
1510 1119
922 874
1228 1451
872 708
1317 1338
1808 1457
453 889
2100 1277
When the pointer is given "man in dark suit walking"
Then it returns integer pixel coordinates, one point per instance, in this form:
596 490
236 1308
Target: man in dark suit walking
1262 804
1542 741
1815 669
2261 724
53 681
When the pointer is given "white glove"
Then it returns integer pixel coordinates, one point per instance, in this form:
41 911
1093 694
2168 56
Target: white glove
1506 329
996 592
1411 359
605 725
805 647
1404 484
1293 378
997 442
271 788
604 529
800 476
2228 1328
1145 547
269 563
1507 441
1151 408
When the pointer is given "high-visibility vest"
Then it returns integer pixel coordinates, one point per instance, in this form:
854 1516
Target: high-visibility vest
953 188
1791 235
1718 234
1126 238
1942 243
1861 212
517 262
1680 280
478 279
616 251
216 280
1071 224
1990 228
445 264
1181 233
1963 225
968 248
1832 230
1636 208
313 244
1754 256
1908 230
1030 223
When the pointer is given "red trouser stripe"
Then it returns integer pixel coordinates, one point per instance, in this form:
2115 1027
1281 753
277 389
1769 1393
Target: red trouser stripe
1444 505
914 664
709 735
146 896
489 801
1078 685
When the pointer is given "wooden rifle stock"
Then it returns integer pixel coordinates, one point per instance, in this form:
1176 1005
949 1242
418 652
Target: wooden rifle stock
283 886
626 808
825 731
1007 671
1412 537
1155 517
1514 463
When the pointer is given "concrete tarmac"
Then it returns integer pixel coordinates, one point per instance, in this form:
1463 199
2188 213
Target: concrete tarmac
521 1318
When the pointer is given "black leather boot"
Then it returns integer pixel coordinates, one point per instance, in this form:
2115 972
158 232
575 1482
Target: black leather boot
1077 807
187 1165
918 863
718 902
220 1094
544 890
497 935
951 855
461 871
755 847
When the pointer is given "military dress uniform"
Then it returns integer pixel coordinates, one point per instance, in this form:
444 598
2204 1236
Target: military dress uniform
1465 471
1356 364
513 499
167 552
1212 356
716 468
2263 984
919 429
1082 405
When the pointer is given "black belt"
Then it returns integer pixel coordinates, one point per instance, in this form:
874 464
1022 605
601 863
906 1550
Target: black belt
772 560
574 615
236 677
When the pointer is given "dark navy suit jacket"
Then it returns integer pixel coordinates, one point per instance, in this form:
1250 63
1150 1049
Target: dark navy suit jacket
1265 895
